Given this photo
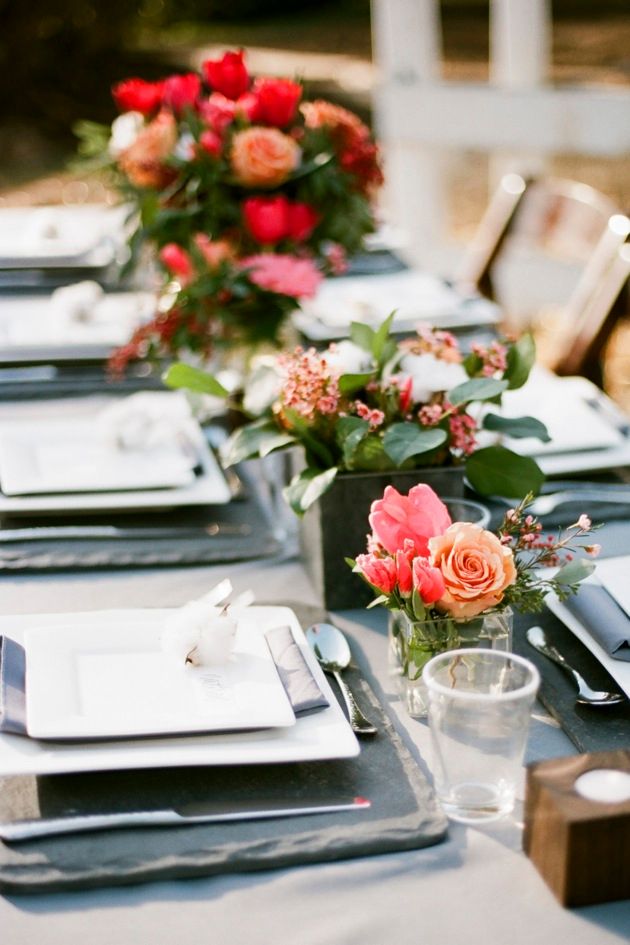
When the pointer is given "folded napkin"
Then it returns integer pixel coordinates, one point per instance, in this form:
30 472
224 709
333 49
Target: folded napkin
604 619
302 690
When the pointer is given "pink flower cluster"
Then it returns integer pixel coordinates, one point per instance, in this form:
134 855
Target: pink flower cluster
441 344
493 357
460 568
310 387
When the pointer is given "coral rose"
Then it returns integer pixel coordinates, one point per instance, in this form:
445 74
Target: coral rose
416 517
143 161
475 566
263 157
380 572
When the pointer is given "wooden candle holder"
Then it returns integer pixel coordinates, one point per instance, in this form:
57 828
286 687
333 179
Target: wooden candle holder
580 846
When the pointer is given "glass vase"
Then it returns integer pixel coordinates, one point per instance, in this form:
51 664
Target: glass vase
412 643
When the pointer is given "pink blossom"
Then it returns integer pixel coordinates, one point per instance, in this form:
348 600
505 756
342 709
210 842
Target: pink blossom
494 358
374 416
430 414
380 572
404 558
592 550
310 387
177 261
463 428
336 259
584 522
284 274
427 580
416 517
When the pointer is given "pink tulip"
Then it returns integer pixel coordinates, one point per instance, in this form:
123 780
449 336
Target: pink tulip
380 572
427 580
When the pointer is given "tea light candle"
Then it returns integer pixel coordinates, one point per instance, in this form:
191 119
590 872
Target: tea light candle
606 785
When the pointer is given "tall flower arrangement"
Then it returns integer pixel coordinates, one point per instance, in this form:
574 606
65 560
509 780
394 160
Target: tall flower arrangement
249 193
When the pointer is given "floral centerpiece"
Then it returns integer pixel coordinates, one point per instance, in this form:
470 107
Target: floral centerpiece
452 584
249 194
371 403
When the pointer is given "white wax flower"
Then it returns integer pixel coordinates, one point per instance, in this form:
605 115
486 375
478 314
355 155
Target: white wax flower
200 635
348 358
430 375
125 130
76 303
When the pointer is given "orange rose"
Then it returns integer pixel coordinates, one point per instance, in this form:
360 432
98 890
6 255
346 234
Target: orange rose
475 566
263 157
143 161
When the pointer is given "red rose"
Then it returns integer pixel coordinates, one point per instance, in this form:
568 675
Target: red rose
181 91
302 221
278 100
177 261
136 95
267 218
228 75
210 142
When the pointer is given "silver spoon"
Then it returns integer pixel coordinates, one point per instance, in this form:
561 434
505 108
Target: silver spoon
586 696
333 654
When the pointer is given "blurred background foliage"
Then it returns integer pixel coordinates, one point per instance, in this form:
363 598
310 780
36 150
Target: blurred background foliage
59 58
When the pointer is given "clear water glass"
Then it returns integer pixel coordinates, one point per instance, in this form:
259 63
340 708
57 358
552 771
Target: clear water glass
479 707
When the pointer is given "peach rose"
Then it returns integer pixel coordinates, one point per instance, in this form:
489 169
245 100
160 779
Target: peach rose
263 157
143 161
475 566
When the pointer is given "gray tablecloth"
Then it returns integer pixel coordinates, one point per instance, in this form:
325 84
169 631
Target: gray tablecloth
477 886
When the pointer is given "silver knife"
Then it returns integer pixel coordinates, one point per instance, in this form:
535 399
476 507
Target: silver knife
20 830
52 532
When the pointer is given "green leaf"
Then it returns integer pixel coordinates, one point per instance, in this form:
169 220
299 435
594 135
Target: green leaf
306 488
520 360
477 388
255 439
418 605
183 375
574 572
517 427
496 470
349 383
369 455
404 440
349 432
472 364
362 336
381 336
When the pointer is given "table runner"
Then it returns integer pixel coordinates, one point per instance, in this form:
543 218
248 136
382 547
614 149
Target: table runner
403 816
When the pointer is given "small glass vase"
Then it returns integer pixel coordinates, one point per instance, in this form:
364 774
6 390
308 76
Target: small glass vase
412 643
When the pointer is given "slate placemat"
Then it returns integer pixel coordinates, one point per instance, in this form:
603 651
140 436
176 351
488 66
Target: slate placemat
403 816
250 512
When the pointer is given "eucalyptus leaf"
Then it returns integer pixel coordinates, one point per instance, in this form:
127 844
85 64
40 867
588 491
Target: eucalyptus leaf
369 455
404 440
517 427
575 571
349 383
381 336
362 336
520 360
496 470
256 439
477 388
306 488
191 378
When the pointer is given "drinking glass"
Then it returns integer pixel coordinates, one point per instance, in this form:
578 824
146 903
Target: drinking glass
479 705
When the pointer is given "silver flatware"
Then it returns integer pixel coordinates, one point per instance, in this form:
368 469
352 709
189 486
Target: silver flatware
107 532
586 696
542 505
20 830
333 654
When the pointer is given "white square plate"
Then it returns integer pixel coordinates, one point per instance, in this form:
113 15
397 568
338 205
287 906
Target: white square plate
61 456
322 735
117 682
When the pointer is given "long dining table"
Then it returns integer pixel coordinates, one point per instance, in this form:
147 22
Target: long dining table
477 885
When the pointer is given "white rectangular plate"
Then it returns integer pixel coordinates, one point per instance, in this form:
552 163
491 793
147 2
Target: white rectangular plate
323 735
60 236
68 456
33 321
618 669
415 296
117 682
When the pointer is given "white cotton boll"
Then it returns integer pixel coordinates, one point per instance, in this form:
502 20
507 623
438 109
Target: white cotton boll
125 130
146 420
348 358
76 303
430 375
199 635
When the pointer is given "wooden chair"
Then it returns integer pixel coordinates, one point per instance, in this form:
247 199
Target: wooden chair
565 237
